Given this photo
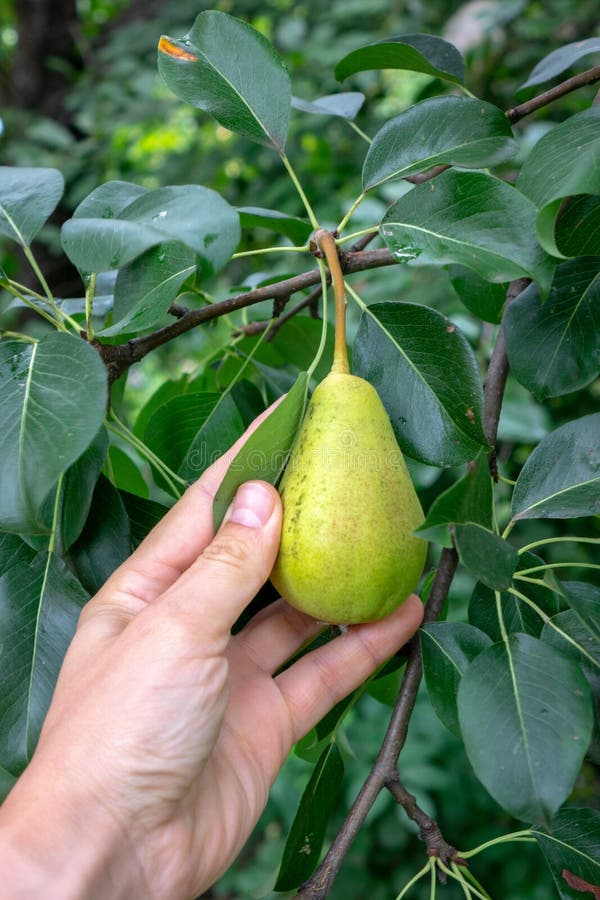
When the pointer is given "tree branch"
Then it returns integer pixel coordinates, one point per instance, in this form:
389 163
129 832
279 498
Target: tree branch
590 76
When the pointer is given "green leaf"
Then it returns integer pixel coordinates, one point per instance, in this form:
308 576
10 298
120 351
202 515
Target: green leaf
196 216
227 68
472 219
297 341
146 287
577 227
469 499
560 60
453 130
517 615
483 298
28 196
427 377
297 230
448 649
305 839
584 600
565 161
572 844
53 397
346 105
265 453
123 472
486 555
40 604
561 478
143 516
109 200
14 552
7 782
526 719
567 632
554 346
415 52
105 541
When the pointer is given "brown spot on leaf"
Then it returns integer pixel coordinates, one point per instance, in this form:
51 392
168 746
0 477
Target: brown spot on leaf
579 884
470 415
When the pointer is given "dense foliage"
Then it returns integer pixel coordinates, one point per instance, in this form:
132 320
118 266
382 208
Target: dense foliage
185 288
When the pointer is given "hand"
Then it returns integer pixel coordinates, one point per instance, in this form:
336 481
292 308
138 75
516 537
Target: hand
165 733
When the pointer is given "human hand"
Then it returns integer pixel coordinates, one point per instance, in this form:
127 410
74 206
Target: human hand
165 733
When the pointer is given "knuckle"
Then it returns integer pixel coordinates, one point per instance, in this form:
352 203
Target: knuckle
228 550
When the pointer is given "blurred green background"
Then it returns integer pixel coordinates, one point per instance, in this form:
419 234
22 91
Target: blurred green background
79 90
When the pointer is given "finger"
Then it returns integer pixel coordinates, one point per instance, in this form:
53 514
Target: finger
177 540
275 634
211 594
314 684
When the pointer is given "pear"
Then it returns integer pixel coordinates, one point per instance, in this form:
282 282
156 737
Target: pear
347 551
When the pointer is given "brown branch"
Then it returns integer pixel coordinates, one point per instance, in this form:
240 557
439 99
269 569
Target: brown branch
590 76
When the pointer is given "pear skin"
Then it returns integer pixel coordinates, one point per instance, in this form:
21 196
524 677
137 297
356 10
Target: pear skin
347 551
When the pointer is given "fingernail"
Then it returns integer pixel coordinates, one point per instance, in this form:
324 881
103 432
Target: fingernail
253 505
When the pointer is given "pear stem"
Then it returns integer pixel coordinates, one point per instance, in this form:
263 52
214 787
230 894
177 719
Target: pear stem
326 243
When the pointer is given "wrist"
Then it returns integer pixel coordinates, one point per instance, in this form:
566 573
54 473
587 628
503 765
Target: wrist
56 843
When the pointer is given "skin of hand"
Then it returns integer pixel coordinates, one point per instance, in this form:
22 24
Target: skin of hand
165 733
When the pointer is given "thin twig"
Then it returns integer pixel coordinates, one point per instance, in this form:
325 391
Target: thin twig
590 76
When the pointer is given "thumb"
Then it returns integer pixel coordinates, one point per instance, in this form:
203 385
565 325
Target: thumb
230 570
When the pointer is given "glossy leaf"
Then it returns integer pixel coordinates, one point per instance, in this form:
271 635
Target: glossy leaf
415 52
584 600
577 227
452 130
565 161
467 500
448 649
553 346
483 298
567 632
40 604
226 67
526 719
196 216
266 451
109 200
486 555
28 196
297 230
105 542
146 287
561 478
560 60
346 104
472 219
54 397
572 845
427 377
305 839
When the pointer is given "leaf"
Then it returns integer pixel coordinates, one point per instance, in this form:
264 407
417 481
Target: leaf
573 844
109 200
472 219
427 377
584 600
28 196
345 104
14 552
196 216
565 161
579 885
265 453
526 719
105 541
297 230
467 500
567 633
53 397
486 555
451 130
554 346
305 839
227 68
560 60
448 649
7 782
143 516
577 226
146 287
415 52
517 615
483 298
123 472
40 604
561 478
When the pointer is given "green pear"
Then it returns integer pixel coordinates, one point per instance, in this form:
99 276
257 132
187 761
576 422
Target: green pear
347 550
